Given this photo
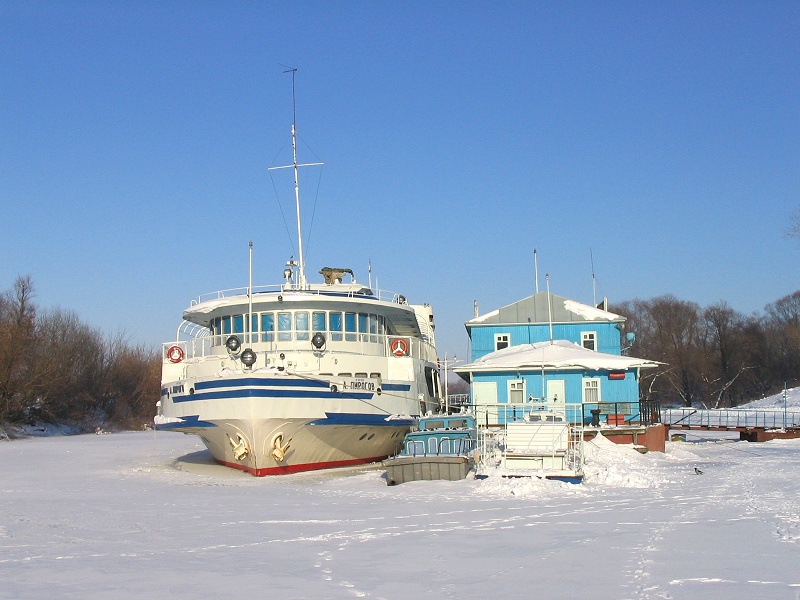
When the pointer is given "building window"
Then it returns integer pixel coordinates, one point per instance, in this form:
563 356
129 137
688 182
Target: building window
591 391
589 340
516 391
501 340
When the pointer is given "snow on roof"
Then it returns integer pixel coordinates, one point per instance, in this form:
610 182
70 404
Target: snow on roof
589 313
543 307
482 318
558 354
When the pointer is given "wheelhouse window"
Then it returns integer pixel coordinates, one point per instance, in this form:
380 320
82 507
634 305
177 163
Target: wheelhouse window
254 326
318 321
350 326
501 340
335 319
226 325
363 328
267 327
284 326
373 328
589 340
301 325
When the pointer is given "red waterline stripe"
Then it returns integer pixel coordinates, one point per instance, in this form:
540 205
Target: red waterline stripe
300 468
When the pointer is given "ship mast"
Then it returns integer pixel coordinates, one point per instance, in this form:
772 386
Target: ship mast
301 268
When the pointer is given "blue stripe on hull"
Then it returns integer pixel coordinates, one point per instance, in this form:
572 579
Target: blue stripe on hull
269 393
187 421
362 419
395 387
260 382
351 419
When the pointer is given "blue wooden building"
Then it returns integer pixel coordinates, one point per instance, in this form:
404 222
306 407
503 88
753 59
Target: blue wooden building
543 317
549 349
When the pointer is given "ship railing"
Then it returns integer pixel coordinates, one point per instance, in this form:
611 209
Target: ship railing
370 344
457 401
176 352
497 414
382 295
493 421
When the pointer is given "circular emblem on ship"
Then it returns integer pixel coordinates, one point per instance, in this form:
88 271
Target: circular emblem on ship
175 354
399 347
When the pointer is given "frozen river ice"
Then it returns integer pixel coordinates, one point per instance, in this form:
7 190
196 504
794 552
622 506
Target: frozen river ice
147 514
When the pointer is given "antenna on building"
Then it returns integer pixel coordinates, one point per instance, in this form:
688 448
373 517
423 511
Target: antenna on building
536 269
475 307
594 281
549 306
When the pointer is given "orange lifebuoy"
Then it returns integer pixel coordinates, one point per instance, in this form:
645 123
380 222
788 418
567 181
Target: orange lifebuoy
175 354
399 347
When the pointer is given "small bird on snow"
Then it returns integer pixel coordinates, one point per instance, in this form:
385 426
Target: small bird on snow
697 471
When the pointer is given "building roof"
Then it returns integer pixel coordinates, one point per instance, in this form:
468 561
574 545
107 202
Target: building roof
535 309
558 354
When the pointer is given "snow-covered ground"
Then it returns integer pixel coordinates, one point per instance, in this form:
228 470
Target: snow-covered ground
777 401
148 514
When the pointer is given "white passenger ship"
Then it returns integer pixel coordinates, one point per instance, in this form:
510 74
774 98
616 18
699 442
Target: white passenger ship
300 376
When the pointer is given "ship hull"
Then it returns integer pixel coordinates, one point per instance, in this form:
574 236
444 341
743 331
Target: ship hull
280 425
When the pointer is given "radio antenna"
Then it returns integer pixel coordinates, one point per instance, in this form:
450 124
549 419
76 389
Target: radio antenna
301 279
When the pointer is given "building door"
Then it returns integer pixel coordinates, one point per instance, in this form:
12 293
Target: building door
484 396
556 391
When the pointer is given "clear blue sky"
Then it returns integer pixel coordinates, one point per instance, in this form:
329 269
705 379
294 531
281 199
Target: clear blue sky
661 137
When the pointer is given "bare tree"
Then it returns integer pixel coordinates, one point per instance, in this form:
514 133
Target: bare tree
782 326
70 369
794 226
133 385
17 342
727 359
668 330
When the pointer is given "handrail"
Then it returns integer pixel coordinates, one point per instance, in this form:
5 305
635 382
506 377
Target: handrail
732 418
379 294
634 412
200 347
686 416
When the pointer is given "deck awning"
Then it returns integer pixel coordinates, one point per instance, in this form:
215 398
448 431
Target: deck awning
558 354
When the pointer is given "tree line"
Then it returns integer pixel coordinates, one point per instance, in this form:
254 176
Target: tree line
55 368
714 357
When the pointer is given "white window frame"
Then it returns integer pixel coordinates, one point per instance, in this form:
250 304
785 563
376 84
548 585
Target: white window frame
512 385
502 337
589 335
596 385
